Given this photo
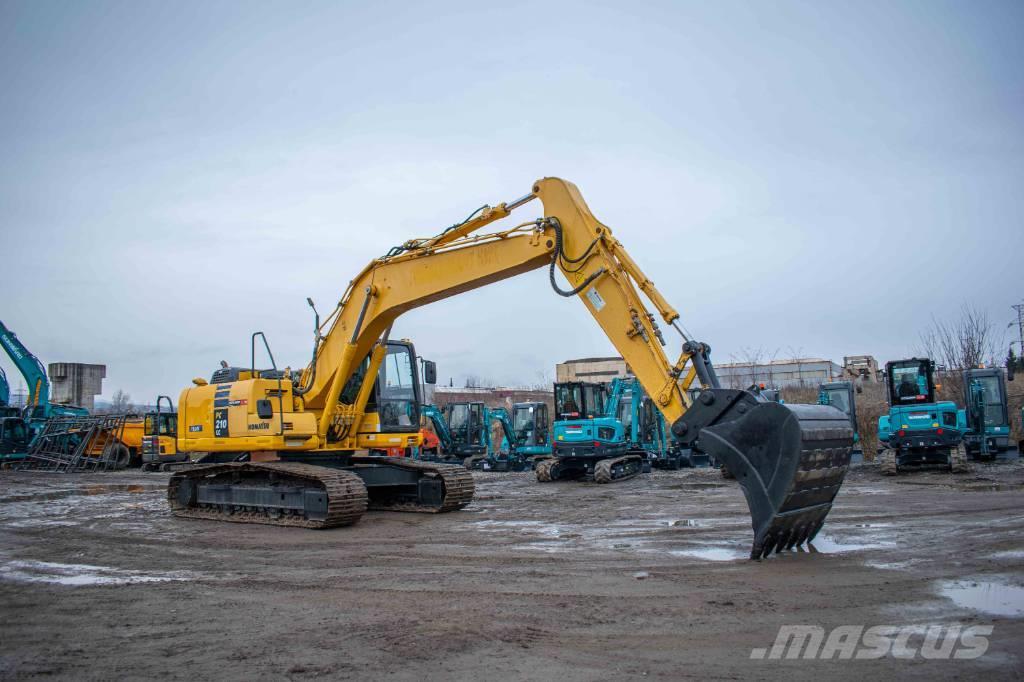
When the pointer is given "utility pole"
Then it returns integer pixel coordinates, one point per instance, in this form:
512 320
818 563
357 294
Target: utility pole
1020 324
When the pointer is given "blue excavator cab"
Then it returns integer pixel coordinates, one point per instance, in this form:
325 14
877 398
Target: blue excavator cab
986 413
842 396
531 428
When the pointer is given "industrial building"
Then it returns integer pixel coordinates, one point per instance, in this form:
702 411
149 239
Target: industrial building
779 373
598 370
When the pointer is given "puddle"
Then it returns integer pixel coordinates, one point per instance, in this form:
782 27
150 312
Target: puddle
824 544
88 490
686 523
79 575
870 491
542 527
712 553
890 565
987 596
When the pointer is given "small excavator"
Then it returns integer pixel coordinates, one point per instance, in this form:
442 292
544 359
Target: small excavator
461 432
919 430
590 441
290 439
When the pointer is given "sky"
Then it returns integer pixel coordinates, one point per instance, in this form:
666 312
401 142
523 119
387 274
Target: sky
808 178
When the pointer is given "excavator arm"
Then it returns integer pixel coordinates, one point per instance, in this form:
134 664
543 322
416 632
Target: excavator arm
29 366
789 460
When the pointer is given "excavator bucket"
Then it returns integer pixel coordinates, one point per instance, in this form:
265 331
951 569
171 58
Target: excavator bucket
790 460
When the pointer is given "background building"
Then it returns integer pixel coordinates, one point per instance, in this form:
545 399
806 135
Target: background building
492 397
778 373
863 368
74 383
598 370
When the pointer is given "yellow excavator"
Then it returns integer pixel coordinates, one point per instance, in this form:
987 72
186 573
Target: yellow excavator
284 444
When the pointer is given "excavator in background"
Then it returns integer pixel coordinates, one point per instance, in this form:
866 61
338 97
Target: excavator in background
589 440
289 442
5 389
461 432
986 412
604 427
532 431
919 430
842 396
160 438
466 435
502 453
38 407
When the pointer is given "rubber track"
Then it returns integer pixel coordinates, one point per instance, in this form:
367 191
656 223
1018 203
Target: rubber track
544 468
458 484
346 495
603 469
887 461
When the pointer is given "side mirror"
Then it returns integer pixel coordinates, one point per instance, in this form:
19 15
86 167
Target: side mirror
860 389
264 409
429 372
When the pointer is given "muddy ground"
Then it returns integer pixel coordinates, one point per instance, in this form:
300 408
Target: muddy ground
641 579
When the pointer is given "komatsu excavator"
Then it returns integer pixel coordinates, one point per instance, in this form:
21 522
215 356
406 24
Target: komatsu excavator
292 437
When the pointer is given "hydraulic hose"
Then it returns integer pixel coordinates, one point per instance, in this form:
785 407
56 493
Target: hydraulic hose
560 255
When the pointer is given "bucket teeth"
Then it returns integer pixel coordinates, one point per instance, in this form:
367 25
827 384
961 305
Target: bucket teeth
790 461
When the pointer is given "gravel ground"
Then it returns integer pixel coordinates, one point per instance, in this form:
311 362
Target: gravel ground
640 579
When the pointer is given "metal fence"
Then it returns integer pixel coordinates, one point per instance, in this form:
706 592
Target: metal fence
90 443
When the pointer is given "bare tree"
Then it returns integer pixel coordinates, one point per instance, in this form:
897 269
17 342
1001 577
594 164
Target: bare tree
121 403
964 343
798 360
544 380
770 363
750 359
474 381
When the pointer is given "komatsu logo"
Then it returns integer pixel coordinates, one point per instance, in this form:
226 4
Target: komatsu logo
259 427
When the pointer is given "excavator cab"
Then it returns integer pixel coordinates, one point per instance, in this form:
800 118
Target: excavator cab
397 392
532 429
14 438
160 437
987 413
841 395
467 424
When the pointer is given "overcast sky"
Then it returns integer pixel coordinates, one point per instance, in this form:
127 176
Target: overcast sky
813 177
